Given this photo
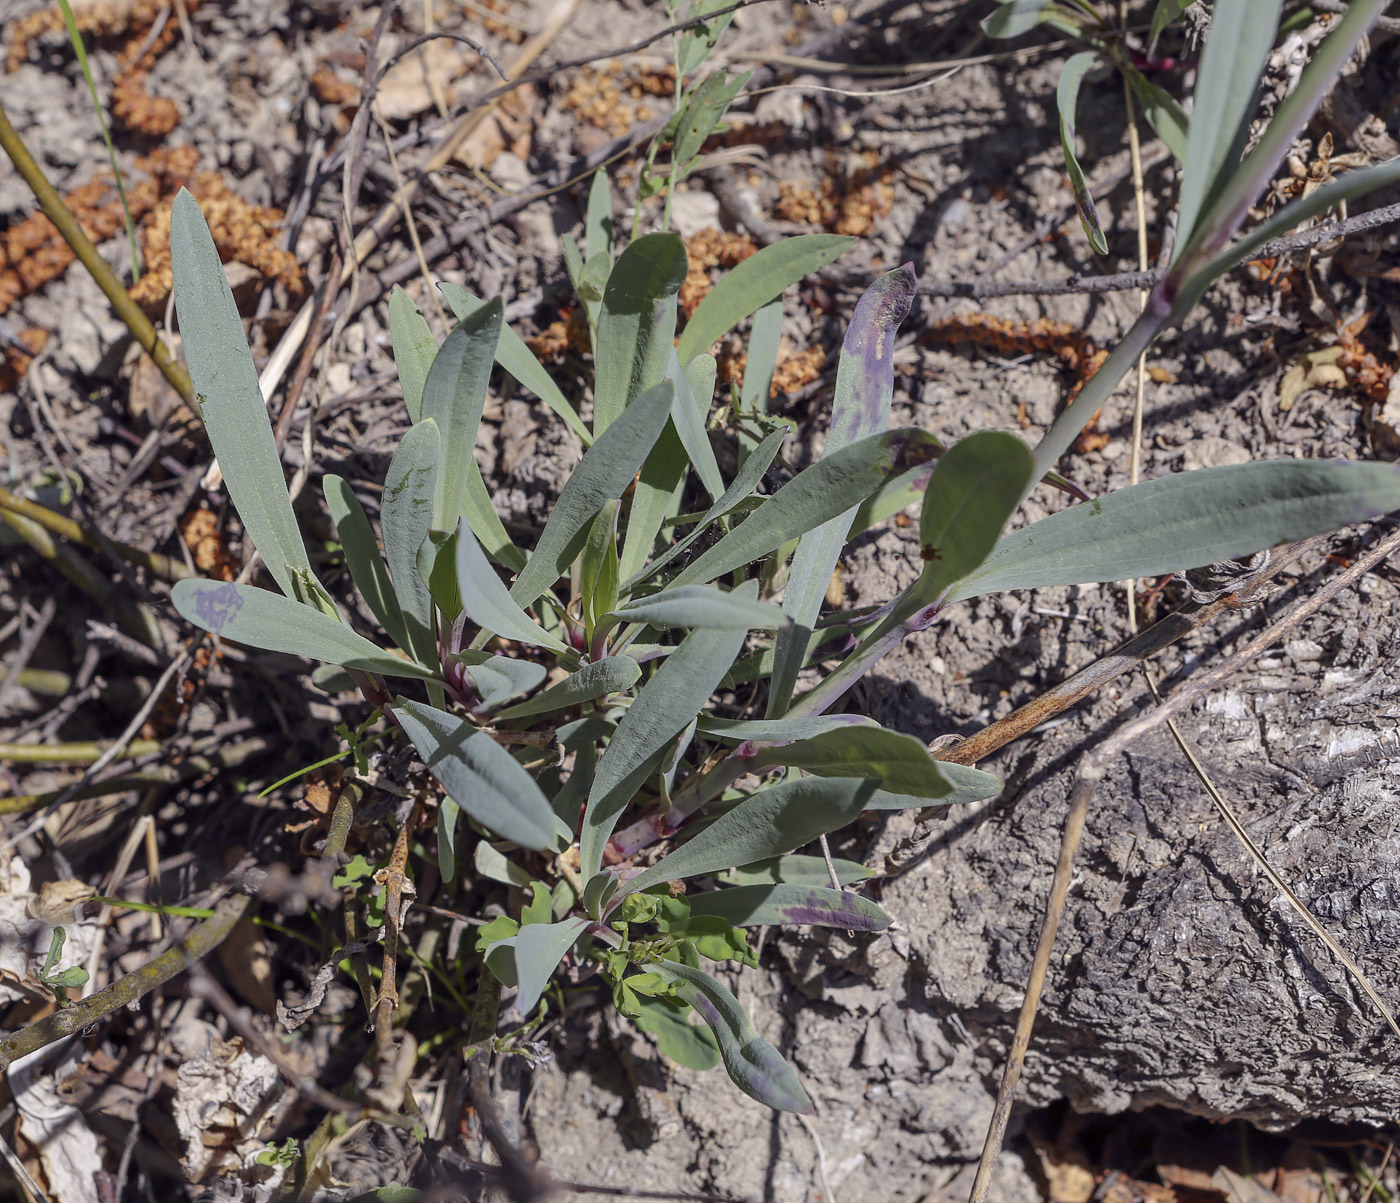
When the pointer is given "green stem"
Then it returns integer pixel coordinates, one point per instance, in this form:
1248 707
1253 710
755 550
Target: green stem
130 989
83 247
161 775
75 753
76 532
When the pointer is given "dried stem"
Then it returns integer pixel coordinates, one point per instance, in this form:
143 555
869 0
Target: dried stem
130 989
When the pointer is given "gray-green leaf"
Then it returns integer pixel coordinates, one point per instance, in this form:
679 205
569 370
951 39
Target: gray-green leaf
484 779
754 1065
677 692
1186 521
230 398
278 624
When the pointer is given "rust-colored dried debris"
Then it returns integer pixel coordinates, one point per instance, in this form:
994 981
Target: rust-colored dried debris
706 249
612 100
32 252
146 28
844 203
569 333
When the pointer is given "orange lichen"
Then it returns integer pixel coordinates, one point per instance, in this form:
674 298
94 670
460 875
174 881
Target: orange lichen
32 252
842 203
148 27
569 333
1069 344
15 362
706 249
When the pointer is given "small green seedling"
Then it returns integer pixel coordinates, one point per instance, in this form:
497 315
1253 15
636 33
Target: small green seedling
653 585
60 981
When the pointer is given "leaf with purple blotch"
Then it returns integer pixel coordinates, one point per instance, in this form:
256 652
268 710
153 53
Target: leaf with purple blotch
859 407
259 618
754 1065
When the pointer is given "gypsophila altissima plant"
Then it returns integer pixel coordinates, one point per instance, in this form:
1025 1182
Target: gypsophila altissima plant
658 579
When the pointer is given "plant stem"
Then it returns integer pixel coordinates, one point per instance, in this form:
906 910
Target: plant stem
166 774
134 618
83 247
75 532
130 989
73 753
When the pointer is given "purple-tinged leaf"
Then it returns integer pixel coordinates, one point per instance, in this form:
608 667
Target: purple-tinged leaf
274 623
859 408
754 1065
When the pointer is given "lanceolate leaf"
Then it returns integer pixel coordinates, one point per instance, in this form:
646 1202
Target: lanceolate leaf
755 906
598 222
859 407
1163 15
754 1065
230 398
636 324
765 338
1163 113
278 624
688 1044
1227 86
367 567
612 675
406 515
690 426
972 494
1016 17
701 606
774 729
1071 76
500 678
602 475
415 348
517 359
702 113
746 480
828 488
769 823
898 763
1186 521
488 602
795 870
675 694
454 396
539 947
486 524
753 283
484 779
